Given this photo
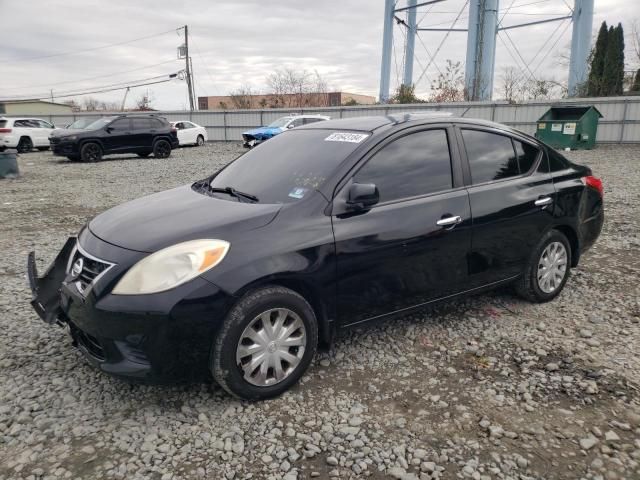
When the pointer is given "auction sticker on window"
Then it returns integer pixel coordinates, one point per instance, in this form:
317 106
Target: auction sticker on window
298 192
346 137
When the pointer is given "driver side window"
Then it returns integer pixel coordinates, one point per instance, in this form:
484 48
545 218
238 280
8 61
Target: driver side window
415 164
121 125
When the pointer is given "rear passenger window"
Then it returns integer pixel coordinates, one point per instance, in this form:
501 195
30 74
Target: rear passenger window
416 164
553 162
491 156
141 123
156 123
527 155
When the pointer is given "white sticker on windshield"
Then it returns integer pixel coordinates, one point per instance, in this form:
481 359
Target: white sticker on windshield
346 137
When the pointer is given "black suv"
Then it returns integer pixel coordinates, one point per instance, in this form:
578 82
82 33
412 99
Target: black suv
140 134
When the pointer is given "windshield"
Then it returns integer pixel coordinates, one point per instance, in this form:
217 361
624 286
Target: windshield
81 123
280 123
99 123
288 167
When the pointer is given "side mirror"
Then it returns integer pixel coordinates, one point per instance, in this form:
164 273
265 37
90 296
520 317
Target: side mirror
109 129
363 195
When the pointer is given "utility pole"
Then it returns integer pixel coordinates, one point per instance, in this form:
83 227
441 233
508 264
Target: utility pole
52 95
188 66
481 49
387 45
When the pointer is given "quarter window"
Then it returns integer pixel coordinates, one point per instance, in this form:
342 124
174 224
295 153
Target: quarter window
491 156
141 123
416 164
527 155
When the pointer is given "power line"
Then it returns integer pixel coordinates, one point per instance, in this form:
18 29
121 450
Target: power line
74 52
443 40
90 78
67 93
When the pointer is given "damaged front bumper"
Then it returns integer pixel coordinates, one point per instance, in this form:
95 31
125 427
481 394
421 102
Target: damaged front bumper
156 338
47 299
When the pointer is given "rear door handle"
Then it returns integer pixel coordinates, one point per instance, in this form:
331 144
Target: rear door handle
543 201
449 221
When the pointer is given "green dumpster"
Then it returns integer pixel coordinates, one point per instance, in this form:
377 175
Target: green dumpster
569 126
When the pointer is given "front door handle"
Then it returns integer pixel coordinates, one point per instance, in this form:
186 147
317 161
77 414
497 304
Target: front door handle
543 201
449 221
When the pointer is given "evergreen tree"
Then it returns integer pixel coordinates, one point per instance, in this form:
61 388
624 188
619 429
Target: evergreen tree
613 75
594 87
620 57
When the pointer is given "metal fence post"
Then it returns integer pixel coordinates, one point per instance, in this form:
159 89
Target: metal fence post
224 124
493 112
261 115
624 120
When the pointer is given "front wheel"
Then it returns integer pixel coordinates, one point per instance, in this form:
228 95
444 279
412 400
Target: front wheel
265 344
91 152
200 140
161 149
547 270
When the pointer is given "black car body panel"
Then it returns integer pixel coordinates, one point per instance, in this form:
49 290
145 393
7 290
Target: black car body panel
351 264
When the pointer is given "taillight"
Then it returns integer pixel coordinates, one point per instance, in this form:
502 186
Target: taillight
595 183
5 130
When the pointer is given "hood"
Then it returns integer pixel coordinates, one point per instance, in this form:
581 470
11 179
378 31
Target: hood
173 216
264 130
64 132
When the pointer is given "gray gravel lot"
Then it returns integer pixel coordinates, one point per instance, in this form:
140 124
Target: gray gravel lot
485 387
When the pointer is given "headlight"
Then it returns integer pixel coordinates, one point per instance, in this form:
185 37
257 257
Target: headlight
172 266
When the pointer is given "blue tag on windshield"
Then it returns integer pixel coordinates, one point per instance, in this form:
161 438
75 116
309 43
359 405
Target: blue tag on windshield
298 192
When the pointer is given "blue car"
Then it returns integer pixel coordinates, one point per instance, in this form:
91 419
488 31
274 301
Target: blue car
256 136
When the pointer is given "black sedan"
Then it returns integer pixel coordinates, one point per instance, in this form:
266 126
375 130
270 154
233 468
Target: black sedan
241 276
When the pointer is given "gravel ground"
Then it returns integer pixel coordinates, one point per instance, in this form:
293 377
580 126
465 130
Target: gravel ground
485 387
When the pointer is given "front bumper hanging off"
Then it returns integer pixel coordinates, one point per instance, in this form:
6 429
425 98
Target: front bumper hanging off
47 300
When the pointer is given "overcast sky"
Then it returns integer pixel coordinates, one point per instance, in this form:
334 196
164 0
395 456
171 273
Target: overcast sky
239 42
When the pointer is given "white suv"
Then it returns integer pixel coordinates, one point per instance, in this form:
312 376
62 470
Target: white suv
24 134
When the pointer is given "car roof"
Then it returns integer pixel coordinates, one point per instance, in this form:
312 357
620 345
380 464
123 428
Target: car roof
372 123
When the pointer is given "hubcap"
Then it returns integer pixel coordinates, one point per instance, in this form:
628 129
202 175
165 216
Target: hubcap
552 267
271 347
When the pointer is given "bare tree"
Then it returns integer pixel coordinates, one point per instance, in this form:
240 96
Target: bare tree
143 102
449 85
510 85
242 97
297 88
90 104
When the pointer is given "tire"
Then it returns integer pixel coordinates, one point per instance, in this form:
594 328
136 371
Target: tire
24 145
91 152
144 154
200 140
531 286
276 303
3 148
161 149
74 158
42 149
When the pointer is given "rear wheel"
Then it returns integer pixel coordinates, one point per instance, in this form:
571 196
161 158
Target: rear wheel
200 140
547 270
24 145
161 149
91 152
265 345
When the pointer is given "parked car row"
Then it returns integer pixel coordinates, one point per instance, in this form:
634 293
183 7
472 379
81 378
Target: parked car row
89 138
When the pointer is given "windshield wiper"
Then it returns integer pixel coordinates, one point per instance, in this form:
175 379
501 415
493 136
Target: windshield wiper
234 193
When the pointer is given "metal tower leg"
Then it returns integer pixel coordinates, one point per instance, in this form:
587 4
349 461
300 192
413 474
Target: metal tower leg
580 44
481 49
411 43
387 44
